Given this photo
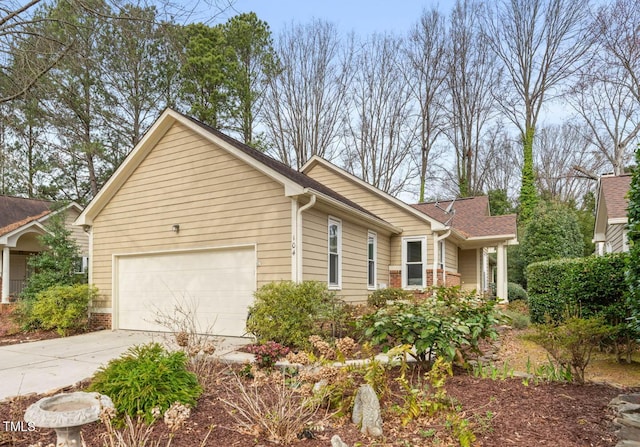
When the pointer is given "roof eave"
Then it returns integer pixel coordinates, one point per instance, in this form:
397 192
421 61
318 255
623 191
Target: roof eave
355 212
435 225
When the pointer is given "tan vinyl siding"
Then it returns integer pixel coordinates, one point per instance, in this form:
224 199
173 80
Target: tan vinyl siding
614 237
411 225
216 199
451 256
354 253
468 269
77 233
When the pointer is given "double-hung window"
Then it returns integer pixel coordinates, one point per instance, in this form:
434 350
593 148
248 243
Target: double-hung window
372 248
414 261
335 253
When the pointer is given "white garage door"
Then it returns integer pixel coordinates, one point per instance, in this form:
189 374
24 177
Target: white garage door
216 285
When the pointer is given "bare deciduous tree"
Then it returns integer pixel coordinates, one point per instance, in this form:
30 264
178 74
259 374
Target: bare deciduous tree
305 102
471 78
607 94
558 149
379 129
540 43
425 74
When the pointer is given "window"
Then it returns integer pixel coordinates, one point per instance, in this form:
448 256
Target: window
414 261
81 265
335 253
372 248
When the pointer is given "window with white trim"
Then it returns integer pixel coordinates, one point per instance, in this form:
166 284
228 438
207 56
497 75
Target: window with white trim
414 260
372 254
335 253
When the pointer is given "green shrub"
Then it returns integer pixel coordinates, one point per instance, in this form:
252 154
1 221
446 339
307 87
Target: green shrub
552 233
517 319
146 377
289 313
516 292
544 287
572 342
380 297
436 326
63 308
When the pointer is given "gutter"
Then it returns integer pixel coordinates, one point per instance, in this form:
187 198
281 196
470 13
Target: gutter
298 248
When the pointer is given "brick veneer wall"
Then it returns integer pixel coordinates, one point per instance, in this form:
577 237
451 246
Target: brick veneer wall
98 321
452 279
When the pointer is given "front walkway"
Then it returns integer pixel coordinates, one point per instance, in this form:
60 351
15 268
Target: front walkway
47 365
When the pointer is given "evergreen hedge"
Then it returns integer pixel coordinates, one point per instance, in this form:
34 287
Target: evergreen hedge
594 285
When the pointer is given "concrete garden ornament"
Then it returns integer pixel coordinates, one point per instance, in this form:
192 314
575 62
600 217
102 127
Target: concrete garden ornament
66 414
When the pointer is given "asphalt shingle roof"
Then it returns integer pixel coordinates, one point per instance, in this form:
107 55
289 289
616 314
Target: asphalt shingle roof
614 189
470 216
16 212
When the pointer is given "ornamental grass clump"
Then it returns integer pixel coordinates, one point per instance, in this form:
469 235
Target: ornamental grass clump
267 354
147 379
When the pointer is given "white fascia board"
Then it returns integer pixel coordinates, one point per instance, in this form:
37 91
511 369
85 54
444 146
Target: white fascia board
617 220
148 142
435 225
11 238
126 168
355 212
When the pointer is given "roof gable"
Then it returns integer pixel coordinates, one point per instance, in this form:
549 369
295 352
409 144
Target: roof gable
294 182
393 201
611 206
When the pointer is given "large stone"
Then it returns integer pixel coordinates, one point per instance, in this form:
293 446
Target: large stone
366 412
337 442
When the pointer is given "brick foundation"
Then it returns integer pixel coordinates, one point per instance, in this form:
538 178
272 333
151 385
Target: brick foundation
6 309
99 321
452 279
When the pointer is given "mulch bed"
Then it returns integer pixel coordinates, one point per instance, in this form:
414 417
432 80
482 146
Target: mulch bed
503 413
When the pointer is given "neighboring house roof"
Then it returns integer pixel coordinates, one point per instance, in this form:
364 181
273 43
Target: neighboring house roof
615 190
611 206
294 182
16 212
470 217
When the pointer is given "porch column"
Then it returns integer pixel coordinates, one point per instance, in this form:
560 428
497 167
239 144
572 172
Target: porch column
501 279
6 275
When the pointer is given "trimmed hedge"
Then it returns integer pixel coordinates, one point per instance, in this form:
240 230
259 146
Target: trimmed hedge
595 285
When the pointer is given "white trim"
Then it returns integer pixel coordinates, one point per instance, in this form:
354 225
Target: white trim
338 223
294 237
423 261
374 236
435 225
617 220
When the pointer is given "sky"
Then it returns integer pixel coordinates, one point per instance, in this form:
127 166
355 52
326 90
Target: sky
362 16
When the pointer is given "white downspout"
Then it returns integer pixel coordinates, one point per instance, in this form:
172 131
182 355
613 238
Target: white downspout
436 241
298 248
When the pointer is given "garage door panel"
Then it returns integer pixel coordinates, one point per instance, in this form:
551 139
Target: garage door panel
217 284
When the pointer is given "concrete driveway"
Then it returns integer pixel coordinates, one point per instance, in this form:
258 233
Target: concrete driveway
48 365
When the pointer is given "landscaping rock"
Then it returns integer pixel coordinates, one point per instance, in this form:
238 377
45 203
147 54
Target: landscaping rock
366 412
627 419
337 442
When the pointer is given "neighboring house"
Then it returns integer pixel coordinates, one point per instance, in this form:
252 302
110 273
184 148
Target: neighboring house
21 222
194 218
610 233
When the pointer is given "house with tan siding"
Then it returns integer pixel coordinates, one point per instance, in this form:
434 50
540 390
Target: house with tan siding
610 233
22 221
196 219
